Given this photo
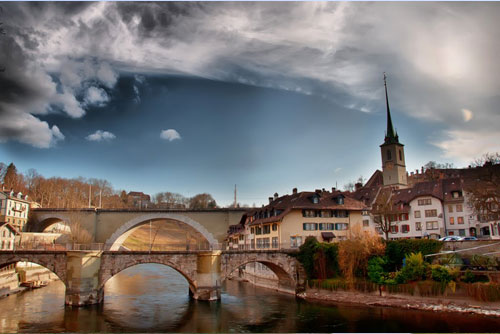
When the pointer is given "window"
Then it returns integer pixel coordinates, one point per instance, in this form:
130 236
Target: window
252 243
341 226
275 227
389 156
418 226
400 155
315 199
275 242
326 214
241 237
403 217
366 222
460 220
452 220
451 233
308 213
424 201
326 226
417 214
394 229
431 225
310 226
258 230
456 194
431 213
405 228
460 208
342 214
340 200
259 243
265 243
266 229
461 232
295 242
252 230
450 208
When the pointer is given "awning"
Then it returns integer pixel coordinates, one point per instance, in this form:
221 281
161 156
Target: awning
327 235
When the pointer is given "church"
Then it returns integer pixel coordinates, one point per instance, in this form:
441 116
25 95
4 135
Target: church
431 204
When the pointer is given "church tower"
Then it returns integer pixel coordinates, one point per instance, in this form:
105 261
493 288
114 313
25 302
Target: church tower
393 155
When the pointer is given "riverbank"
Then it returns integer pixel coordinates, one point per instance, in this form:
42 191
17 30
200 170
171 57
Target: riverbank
401 302
11 280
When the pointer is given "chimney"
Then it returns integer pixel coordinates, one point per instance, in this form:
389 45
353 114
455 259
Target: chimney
270 200
333 189
323 190
422 170
317 191
416 171
294 191
275 196
358 186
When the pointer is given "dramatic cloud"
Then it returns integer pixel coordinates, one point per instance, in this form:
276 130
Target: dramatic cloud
96 96
170 135
438 56
100 135
467 145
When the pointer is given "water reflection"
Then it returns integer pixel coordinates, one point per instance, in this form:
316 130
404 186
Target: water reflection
154 298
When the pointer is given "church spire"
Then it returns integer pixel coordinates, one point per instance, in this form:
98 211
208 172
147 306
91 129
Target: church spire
390 136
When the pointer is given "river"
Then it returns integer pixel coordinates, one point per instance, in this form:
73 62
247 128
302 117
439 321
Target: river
154 298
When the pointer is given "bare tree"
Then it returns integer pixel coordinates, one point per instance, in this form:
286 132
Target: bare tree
484 190
385 213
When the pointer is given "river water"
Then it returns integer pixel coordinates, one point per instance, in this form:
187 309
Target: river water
154 298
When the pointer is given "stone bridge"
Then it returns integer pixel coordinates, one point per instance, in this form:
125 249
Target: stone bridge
113 226
85 273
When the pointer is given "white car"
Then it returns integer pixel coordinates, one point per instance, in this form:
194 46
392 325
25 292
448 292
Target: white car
450 238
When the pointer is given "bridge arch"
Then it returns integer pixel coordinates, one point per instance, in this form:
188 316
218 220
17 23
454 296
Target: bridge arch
47 220
56 263
119 236
112 265
290 273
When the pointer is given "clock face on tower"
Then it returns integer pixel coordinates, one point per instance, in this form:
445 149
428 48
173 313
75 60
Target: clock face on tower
389 165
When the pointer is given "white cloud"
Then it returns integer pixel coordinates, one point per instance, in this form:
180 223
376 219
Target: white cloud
466 146
170 135
100 135
96 96
468 115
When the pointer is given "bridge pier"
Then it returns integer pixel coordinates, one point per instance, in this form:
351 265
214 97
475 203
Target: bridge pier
82 275
208 276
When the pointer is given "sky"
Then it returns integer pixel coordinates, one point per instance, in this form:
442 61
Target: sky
196 97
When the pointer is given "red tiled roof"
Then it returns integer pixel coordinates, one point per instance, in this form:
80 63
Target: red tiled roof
303 201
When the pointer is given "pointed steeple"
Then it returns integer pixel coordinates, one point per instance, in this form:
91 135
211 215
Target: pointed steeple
390 136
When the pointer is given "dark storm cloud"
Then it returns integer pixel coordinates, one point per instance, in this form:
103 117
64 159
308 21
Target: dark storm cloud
441 58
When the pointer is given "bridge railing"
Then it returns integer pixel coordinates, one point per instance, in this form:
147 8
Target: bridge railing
151 248
259 247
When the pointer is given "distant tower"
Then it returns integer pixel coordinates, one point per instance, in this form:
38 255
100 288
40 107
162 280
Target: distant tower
393 154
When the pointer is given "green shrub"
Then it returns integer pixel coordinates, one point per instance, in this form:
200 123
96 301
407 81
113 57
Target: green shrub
451 260
470 277
396 250
320 260
376 272
441 274
483 262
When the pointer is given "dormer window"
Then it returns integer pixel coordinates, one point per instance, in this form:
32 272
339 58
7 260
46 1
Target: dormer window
339 200
315 199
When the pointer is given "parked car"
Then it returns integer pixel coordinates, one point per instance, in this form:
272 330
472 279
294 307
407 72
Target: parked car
467 239
450 238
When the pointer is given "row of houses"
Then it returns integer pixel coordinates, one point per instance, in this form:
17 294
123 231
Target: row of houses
431 204
14 210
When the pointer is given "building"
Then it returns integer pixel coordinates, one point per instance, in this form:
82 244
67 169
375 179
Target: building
288 220
139 200
430 204
392 151
14 208
7 236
